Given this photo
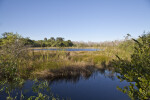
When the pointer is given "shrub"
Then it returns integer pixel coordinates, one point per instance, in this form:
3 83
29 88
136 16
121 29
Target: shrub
137 70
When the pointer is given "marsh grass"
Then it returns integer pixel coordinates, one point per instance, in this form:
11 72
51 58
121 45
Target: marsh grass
43 61
32 62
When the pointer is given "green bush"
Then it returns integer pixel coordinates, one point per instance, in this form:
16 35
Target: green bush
137 70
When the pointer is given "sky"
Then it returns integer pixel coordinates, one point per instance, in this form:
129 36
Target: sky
76 20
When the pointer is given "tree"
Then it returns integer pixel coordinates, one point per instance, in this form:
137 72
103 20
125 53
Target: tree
45 39
9 37
28 41
52 39
0 42
60 39
70 44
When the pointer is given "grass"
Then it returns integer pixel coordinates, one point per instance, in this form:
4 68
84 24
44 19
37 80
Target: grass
31 64
43 61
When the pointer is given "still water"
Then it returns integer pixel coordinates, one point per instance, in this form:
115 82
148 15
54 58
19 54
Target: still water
99 85
69 49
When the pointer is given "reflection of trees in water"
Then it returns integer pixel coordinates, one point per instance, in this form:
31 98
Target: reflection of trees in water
69 74
107 70
39 87
75 74
107 73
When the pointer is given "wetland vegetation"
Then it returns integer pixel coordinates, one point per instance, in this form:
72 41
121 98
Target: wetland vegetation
19 61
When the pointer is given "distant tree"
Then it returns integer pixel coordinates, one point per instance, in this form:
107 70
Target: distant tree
28 41
40 42
52 39
61 44
0 41
9 37
45 39
69 43
60 39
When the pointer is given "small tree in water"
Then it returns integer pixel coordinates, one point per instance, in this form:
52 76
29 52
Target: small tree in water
137 70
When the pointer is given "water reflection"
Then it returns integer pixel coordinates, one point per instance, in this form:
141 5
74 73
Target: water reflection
75 74
87 83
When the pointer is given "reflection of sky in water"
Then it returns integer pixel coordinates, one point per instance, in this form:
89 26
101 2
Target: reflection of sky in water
100 85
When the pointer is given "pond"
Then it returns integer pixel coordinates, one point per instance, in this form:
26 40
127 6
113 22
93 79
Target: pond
99 85
69 49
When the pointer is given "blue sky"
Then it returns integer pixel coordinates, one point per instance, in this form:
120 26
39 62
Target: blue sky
77 20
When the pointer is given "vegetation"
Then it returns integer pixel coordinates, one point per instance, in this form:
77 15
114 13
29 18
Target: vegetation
18 62
52 42
16 55
14 61
136 70
97 44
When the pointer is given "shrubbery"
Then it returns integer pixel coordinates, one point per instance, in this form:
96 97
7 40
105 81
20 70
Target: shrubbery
136 70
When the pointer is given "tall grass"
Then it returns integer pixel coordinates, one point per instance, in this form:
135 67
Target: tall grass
48 60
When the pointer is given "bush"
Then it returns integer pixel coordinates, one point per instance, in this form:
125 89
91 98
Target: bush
137 70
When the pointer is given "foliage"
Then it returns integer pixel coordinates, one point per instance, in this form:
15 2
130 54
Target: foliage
137 70
8 37
52 42
14 54
39 88
16 60
128 44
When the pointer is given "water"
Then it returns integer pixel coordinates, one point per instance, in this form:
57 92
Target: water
99 85
96 87
70 49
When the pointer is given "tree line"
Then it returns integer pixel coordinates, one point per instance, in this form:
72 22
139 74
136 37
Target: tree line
51 42
60 42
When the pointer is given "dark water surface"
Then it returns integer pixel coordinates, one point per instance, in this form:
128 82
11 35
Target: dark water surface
72 49
100 85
